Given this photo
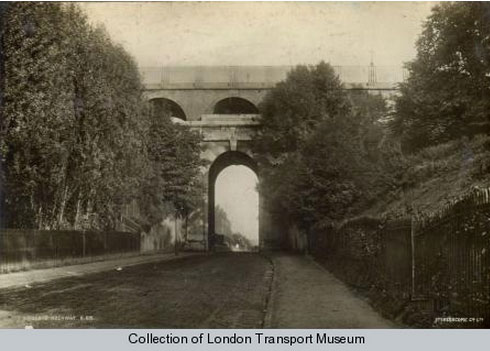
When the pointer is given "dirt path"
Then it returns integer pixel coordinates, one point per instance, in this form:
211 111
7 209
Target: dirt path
305 295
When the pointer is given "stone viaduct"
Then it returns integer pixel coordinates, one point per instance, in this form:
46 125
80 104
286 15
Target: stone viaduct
221 103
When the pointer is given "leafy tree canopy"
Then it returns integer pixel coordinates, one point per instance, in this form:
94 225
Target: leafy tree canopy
295 107
76 140
320 148
447 94
174 183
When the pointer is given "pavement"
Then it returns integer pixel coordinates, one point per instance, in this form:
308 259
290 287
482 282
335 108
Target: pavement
28 278
305 295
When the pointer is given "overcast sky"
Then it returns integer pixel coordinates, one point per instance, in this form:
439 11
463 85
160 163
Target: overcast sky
260 33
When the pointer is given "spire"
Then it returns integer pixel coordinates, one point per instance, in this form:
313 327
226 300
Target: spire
372 71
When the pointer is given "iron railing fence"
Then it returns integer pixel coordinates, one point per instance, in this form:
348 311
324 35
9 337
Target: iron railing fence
397 257
442 258
18 246
451 257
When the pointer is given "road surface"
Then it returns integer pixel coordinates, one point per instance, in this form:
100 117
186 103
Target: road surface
207 291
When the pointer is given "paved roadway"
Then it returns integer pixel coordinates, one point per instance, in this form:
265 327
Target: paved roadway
199 291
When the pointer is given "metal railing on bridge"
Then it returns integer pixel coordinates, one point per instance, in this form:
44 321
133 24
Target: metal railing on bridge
260 76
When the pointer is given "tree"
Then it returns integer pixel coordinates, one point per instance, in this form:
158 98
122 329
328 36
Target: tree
447 94
75 140
295 107
221 222
37 112
73 120
290 112
319 149
173 186
3 11
109 156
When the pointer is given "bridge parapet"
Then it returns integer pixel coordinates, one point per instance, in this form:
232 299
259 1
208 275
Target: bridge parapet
261 77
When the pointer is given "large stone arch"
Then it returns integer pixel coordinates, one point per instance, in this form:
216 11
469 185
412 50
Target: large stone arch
235 105
224 160
176 110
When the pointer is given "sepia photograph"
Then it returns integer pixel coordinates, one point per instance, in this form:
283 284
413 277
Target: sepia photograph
244 165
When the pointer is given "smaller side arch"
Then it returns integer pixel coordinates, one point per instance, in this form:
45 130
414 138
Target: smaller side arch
163 106
234 105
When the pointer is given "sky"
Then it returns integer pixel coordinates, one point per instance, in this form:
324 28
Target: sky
263 33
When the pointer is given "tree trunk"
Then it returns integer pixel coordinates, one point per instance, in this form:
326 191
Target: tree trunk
40 217
76 222
62 207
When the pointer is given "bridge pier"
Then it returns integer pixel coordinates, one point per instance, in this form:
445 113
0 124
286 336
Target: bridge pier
227 142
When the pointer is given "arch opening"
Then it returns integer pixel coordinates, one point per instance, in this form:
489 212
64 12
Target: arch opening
161 107
233 203
235 106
